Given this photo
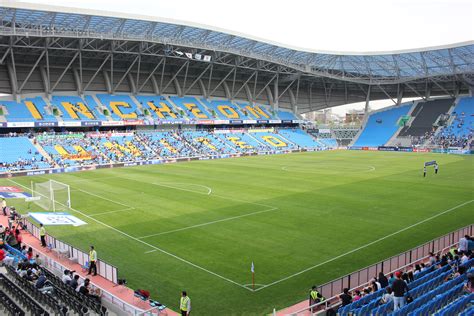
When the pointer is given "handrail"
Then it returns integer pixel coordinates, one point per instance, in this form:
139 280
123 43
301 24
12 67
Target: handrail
438 244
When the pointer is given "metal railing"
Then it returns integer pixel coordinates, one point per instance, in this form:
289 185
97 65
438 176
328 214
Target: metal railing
104 269
354 280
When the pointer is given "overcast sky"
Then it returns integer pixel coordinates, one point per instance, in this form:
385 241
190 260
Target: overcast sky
331 25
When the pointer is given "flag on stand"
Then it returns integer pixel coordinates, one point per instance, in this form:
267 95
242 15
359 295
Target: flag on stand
252 269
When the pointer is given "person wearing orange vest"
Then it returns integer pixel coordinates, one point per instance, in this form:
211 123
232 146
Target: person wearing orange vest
92 261
185 304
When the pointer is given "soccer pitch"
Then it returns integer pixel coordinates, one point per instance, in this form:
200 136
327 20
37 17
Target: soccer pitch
303 219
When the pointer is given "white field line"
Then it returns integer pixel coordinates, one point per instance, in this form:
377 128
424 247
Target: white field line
147 244
85 180
209 190
288 168
365 246
110 212
209 223
150 251
103 198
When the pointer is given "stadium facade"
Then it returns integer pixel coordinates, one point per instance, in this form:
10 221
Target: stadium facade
50 50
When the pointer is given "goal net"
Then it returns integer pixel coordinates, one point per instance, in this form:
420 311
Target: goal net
52 195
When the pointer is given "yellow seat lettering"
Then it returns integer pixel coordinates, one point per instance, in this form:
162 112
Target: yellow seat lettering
228 111
195 110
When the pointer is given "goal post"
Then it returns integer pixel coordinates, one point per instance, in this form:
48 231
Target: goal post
52 195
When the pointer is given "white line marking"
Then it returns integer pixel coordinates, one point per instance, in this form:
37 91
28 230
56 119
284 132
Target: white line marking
208 223
209 190
366 245
150 251
110 212
370 169
103 198
147 244
90 180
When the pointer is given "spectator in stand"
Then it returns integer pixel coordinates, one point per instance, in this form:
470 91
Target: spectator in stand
66 277
464 258
469 286
85 290
2 232
399 288
29 254
75 282
388 296
42 284
464 243
345 297
392 279
383 280
2 253
19 238
432 259
357 296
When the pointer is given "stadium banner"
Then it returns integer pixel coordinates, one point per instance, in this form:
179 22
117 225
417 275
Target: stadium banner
250 121
324 131
110 134
20 124
70 123
262 121
133 122
287 121
354 148
274 121
405 149
56 218
46 124
90 123
3 124
421 150
236 122
112 123
387 148
206 122
219 122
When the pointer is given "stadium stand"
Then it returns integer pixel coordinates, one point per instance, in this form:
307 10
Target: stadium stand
438 289
425 115
18 153
381 126
460 126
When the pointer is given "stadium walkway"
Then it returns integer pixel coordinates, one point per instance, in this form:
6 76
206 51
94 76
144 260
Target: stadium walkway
122 292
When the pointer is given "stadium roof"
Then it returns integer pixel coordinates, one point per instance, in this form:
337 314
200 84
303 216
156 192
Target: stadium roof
438 65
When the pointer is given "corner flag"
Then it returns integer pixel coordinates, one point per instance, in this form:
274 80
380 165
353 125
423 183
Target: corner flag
252 269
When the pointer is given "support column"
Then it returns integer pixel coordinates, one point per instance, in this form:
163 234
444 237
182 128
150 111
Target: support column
367 100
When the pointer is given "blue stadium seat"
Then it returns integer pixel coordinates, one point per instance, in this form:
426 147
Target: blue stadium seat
381 126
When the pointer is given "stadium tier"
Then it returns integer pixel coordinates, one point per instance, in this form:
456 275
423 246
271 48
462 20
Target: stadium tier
381 126
138 110
425 115
73 149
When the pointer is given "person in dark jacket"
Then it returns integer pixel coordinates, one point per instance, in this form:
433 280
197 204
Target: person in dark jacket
383 280
399 288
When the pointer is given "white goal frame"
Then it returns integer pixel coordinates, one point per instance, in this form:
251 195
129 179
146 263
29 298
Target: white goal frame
51 194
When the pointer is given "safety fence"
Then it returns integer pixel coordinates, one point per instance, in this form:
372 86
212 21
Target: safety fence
104 269
362 277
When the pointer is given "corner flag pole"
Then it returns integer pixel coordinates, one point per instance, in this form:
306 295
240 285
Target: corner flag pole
252 269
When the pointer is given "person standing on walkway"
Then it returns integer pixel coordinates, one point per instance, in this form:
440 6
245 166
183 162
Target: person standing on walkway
185 304
4 207
43 235
92 261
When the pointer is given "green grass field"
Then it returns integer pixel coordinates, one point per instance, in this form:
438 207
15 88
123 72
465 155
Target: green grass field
199 225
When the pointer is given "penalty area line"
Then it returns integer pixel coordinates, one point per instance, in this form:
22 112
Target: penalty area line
366 245
146 244
209 223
